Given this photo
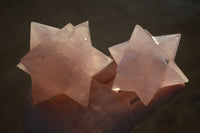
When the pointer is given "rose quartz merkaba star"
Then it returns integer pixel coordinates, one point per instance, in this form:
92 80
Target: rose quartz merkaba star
62 61
146 63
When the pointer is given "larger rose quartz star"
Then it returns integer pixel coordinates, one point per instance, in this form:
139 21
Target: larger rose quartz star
146 63
62 62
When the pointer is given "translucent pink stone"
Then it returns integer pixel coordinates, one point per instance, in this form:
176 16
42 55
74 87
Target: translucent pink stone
146 63
64 62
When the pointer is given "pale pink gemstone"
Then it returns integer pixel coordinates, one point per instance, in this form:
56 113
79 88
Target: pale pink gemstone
146 63
65 63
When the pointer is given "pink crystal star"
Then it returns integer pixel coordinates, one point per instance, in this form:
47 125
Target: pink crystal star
146 63
62 62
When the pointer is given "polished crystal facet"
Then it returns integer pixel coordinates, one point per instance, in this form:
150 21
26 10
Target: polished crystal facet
146 63
62 61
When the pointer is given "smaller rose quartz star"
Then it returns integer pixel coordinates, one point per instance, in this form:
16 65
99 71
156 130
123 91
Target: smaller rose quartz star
146 63
62 61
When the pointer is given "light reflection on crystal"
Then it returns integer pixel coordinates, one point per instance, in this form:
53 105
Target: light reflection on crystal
116 89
